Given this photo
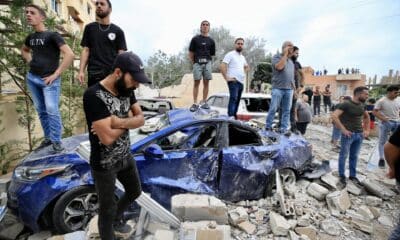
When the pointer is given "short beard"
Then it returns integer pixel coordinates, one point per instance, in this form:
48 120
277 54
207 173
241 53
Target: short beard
294 58
102 15
239 50
123 91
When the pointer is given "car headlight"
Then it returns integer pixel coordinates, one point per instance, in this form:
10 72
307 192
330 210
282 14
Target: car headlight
36 173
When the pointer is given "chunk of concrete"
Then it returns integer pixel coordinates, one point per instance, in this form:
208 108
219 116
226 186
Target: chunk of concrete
330 227
317 191
279 225
10 226
40 235
366 212
377 189
385 220
238 215
365 226
375 211
208 229
310 232
164 235
153 226
193 207
331 180
338 202
353 189
373 201
247 227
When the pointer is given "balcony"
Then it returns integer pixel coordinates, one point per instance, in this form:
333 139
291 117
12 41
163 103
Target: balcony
349 77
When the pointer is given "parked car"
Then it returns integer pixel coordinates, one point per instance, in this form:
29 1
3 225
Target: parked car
251 105
195 152
155 106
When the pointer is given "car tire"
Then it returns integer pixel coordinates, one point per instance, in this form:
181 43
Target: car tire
74 209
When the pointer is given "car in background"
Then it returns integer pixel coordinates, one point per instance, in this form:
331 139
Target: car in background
185 152
251 105
154 106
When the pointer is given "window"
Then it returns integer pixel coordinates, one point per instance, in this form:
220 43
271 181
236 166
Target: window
56 6
257 104
89 9
342 90
242 136
221 102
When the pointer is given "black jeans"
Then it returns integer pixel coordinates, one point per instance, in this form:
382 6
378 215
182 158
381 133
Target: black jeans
109 209
302 127
317 107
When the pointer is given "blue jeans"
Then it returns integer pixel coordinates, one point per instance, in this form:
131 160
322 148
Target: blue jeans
335 133
281 98
235 93
350 145
385 128
46 99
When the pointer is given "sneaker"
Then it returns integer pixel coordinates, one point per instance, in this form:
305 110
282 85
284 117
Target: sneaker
44 143
194 107
355 180
122 229
381 163
57 147
268 129
205 106
342 182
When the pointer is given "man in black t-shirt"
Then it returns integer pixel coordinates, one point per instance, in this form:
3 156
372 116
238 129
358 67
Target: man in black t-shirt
111 110
102 41
392 156
353 121
201 50
42 51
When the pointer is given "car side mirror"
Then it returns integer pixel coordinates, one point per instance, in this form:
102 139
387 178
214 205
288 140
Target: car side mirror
153 151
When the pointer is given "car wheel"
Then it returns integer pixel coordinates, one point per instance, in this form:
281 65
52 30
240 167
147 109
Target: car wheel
74 209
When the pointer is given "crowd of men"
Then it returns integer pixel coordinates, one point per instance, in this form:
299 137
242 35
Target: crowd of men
111 108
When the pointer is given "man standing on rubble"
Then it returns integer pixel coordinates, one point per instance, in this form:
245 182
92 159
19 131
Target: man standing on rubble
350 117
234 68
387 110
282 87
201 50
111 110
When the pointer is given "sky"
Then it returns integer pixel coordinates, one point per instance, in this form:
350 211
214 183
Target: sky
330 34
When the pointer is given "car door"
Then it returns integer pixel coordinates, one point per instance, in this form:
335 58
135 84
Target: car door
246 164
189 162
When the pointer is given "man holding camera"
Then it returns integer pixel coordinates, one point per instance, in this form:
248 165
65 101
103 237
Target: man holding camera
201 49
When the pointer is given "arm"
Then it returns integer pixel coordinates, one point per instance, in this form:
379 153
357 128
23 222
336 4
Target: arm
191 56
392 154
135 119
282 62
68 57
377 113
106 134
336 120
224 68
366 122
83 63
26 53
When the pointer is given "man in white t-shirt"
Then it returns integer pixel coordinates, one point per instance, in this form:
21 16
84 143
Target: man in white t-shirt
234 68
387 110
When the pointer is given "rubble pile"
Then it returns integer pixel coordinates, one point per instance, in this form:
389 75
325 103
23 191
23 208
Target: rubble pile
313 208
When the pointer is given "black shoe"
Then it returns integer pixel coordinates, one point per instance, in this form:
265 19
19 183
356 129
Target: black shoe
355 181
57 147
122 229
381 163
286 133
194 107
44 143
205 106
342 182
268 129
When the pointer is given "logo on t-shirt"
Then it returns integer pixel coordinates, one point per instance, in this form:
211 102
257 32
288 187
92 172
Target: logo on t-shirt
111 36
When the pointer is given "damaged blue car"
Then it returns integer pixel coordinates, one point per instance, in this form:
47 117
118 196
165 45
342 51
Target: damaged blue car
177 152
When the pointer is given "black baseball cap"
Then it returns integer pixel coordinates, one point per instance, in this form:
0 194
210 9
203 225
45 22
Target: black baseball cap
130 62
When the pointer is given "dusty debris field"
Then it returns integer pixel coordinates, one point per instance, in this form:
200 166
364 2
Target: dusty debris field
317 208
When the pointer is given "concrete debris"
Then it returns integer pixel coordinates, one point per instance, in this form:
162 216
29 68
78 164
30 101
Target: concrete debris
385 220
373 201
310 232
279 225
40 235
365 212
206 229
375 211
338 202
164 235
379 190
330 180
238 215
330 227
317 191
353 189
247 227
193 207
364 226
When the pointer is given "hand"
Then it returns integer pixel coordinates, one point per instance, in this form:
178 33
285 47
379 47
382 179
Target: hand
230 79
366 134
347 133
50 79
93 131
81 77
390 174
286 51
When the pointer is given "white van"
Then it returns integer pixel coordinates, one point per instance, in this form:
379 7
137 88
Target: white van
251 105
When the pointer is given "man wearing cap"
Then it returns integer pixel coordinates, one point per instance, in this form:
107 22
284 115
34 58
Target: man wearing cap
111 110
101 42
